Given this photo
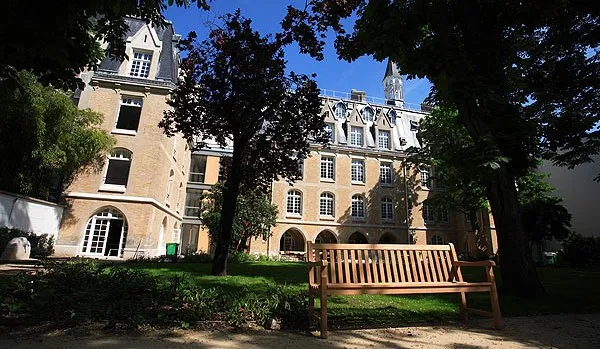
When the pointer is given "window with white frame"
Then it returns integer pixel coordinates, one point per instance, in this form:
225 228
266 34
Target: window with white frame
301 168
425 178
176 235
119 163
443 214
385 173
387 208
384 139
330 131
289 243
358 206
340 110
170 184
436 240
358 171
140 64
368 114
392 115
130 110
327 167
326 204
294 202
428 213
356 136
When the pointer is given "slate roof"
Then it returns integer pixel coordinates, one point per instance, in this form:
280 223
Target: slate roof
169 56
391 69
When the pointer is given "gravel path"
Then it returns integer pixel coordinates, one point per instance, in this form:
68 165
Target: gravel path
556 331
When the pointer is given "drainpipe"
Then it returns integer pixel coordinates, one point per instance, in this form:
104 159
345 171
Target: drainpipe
408 239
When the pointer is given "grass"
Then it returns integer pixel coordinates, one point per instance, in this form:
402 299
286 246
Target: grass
569 291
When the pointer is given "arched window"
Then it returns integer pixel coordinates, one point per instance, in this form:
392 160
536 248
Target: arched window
392 115
176 236
105 234
170 184
294 202
357 238
358 206
368 114
387 208
340 110
119 163
436 240
387 238
326 237
292 240
179 196
326 205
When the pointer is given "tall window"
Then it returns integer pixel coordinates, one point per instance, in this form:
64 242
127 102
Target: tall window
197 168
129 113
326 204
387 208
301 168
358 206
384 139
340 111
356 136
358 171
392 116
289 243
327 167
193 203
425 178
140 64
436 240
428 214
119 163
443 214
170 184
294 202
368 114
385 173
330 131
105 234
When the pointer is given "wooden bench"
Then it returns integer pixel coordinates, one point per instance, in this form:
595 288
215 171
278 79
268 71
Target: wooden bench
347 269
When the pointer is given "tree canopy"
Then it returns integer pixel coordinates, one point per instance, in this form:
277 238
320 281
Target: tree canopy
46 139
56 40
524 77
235 91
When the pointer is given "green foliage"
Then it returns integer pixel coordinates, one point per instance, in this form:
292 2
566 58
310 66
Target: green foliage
46 139
42 245
80 291
254 216
581 251
58 51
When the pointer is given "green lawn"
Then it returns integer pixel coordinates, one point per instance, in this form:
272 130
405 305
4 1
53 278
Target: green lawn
569 290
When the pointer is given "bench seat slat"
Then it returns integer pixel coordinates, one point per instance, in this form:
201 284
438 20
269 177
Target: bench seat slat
408 285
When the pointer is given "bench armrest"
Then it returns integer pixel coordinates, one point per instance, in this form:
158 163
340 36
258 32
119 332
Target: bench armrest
487 263
320 263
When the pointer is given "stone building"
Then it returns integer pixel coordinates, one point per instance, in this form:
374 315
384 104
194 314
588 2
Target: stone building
135 204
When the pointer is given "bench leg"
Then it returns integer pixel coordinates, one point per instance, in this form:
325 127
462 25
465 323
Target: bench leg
323 313
463 306
495 307
311 307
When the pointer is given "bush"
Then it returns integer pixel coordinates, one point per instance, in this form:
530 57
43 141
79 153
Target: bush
80 291
42 245
580 251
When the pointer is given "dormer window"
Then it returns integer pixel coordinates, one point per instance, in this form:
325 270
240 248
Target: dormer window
368 114
392 116
340 110
140 64
414 125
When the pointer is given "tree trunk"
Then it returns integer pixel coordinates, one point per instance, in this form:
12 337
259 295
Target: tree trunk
231 192
519 276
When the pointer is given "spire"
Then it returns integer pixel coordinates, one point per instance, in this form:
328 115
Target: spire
391 69
392 85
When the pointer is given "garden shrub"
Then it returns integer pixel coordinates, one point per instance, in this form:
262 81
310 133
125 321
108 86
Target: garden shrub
580 251
42 245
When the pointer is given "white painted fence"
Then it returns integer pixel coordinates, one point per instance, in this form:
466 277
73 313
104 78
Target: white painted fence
29 214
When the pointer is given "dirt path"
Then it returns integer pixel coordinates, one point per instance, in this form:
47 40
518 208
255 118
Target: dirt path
558 331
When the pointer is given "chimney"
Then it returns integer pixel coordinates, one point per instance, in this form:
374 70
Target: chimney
359 96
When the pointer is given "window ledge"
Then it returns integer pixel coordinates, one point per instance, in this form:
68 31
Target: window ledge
119 131
293 215
327 218
358 183
328 180
359 219
114 188
388 221
387 185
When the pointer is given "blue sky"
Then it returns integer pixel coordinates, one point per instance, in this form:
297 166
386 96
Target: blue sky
363 74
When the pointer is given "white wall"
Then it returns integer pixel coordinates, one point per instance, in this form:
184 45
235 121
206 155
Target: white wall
580 193
29 214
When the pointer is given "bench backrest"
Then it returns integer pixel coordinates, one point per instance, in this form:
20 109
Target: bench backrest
363 264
